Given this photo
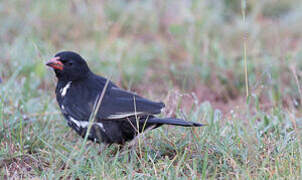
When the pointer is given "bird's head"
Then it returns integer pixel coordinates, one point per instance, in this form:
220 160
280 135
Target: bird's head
69 66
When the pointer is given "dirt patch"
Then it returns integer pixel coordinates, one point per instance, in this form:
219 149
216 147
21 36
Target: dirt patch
20 165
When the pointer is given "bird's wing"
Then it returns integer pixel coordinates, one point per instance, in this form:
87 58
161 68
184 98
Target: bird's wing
118 103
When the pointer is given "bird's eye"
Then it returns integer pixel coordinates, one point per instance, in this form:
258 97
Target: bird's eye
66 62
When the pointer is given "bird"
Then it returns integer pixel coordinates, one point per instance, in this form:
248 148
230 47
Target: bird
121 115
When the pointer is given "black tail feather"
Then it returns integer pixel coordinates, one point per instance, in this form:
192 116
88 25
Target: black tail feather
173 121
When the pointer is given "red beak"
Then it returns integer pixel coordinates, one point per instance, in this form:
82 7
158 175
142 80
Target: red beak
55 63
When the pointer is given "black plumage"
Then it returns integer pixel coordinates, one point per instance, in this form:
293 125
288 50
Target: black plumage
122 114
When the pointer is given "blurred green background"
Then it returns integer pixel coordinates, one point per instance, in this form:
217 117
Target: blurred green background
184 53
190 46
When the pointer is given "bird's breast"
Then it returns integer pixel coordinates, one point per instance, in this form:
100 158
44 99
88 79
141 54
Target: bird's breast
76 99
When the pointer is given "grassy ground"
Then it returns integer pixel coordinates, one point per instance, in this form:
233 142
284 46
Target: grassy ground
188 54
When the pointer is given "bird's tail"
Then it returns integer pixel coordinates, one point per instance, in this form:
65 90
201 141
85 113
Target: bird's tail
173 121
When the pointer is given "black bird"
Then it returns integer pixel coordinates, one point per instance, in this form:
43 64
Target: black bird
121 115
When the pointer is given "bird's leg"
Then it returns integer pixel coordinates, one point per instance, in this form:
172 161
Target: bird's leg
102 147
135 141
121 147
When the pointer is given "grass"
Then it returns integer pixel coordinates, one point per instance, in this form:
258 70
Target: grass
188 54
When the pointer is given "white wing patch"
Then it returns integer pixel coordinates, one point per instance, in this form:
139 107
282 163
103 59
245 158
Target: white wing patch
82 124
63 91
124 115
85 124
101 126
